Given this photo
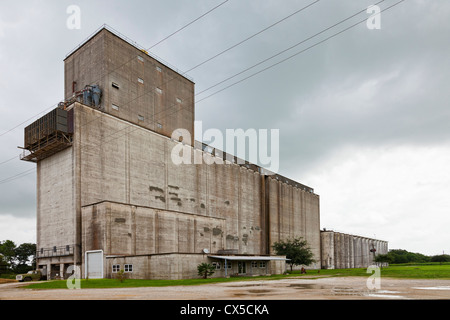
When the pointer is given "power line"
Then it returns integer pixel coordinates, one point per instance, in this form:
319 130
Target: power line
252 36
6 161
265 29
202 63
172 34
285 50
18 176
20 124
290 57
110 72
233 46
209 59
265 69
215 56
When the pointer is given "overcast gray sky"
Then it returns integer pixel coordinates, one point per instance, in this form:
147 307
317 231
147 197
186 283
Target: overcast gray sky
363 116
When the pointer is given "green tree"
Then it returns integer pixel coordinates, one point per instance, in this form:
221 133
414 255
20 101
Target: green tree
3 265
440 258
205 270
7 249
26 253
19 259
383 258
296 250
402 256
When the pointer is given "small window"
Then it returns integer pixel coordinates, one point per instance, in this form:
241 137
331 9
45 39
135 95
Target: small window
262 264
179 100
140 59
159 90
216 265
115 107
141 118
158 69
115 268
115 85
254 264
159 125
140 81
229 265
128 268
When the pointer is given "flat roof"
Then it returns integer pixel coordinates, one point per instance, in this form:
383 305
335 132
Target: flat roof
249 258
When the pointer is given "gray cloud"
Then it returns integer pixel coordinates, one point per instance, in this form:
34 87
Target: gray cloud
363 88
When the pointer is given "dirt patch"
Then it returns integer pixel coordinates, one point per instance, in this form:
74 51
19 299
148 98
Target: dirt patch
2 281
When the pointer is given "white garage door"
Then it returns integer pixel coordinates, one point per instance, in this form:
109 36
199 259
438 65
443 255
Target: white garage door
94 264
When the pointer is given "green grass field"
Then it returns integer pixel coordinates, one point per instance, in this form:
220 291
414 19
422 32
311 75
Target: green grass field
417 271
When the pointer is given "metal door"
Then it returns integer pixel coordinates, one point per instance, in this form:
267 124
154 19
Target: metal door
94 264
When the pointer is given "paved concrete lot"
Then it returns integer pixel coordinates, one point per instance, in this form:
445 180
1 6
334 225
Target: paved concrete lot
351 288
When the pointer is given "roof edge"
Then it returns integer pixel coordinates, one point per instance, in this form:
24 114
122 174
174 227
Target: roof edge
130 42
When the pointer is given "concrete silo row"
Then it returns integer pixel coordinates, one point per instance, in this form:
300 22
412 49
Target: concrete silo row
345 251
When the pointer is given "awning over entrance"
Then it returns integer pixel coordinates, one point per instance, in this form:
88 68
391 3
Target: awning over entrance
242 266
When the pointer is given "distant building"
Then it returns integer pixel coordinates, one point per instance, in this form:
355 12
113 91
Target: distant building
109 198
345 251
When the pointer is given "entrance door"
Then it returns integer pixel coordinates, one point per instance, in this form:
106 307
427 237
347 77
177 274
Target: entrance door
242 267
94 264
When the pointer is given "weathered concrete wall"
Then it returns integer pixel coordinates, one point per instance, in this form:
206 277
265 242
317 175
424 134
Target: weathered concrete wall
58 220
293 213
121 229
175 266
340 251
327 250
114 161
56 201
164 266
122 156
357 245
125 164
149 93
